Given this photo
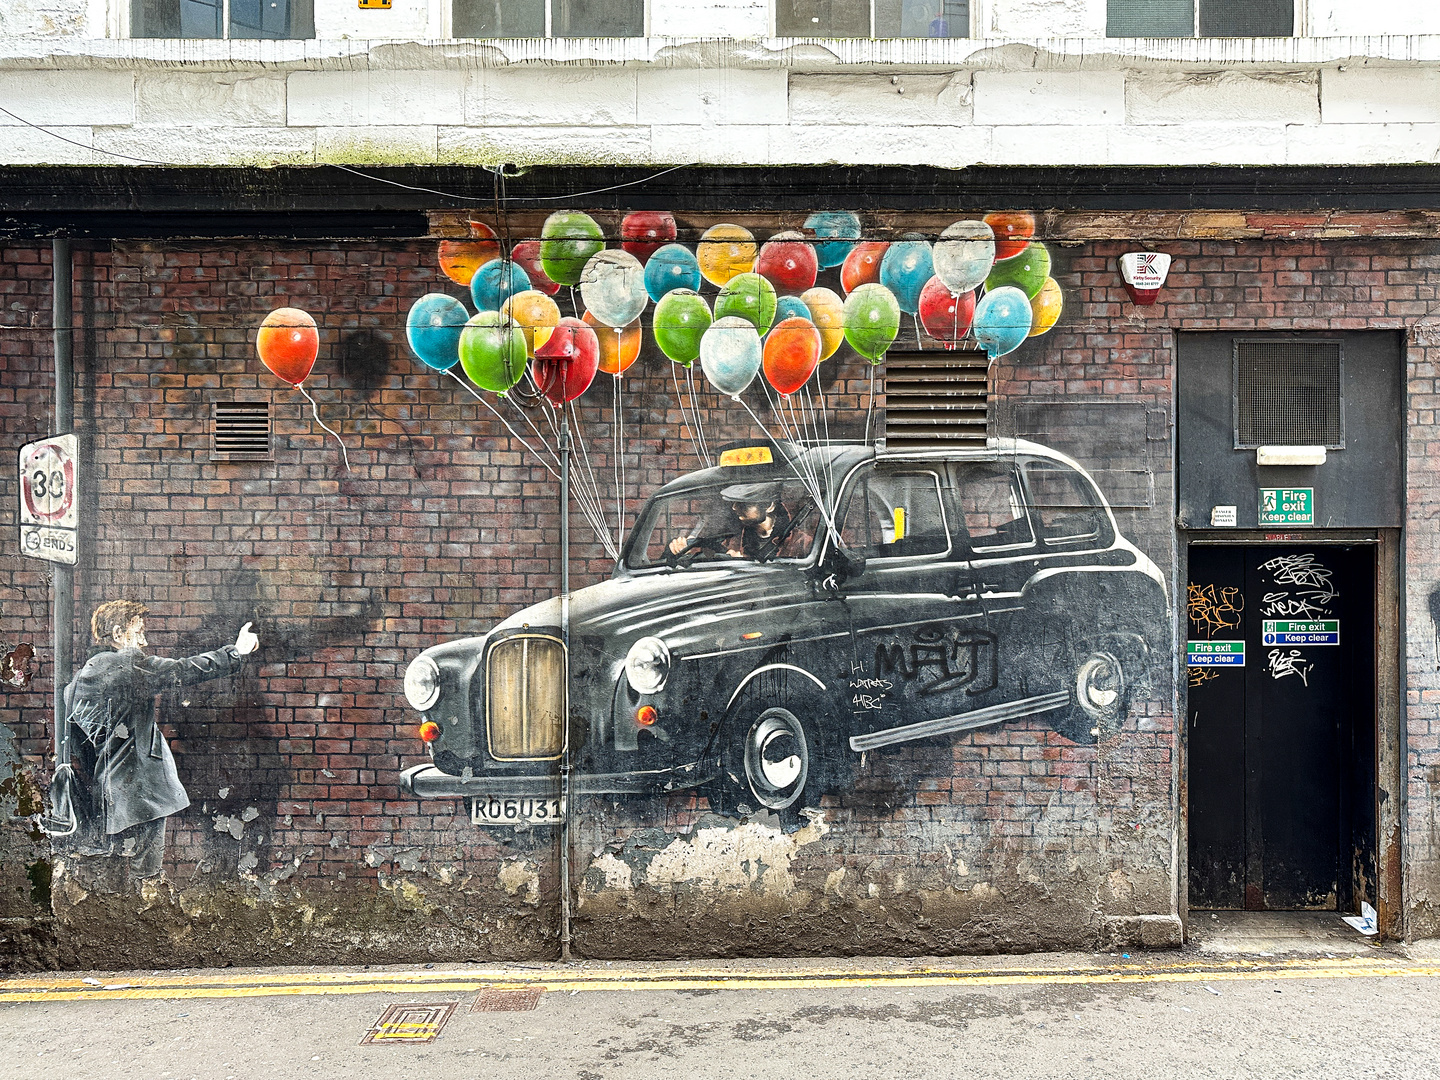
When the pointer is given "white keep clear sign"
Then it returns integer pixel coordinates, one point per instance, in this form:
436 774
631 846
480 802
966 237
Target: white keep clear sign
48 486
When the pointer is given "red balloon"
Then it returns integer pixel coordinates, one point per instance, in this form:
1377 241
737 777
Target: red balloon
288 344
946 317
788 262
645 232
526 255
565 365
1013 232
792 350
862 265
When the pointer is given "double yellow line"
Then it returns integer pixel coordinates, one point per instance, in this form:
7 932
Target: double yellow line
468 979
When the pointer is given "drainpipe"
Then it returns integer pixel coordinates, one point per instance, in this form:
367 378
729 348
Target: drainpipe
63 576
565 728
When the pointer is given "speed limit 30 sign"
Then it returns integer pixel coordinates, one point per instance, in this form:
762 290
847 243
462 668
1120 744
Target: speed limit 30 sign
48 483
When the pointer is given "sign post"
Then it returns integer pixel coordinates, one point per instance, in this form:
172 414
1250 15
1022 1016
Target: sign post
48 484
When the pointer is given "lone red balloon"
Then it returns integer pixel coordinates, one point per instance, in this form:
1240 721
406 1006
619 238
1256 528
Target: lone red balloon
565 365
288 343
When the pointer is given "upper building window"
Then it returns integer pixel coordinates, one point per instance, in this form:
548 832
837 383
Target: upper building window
222 19
548 18
872 18
1205 18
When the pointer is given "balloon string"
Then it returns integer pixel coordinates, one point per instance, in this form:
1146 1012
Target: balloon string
695 411
870 407
588 478
314 410
618 431
795 467
513 433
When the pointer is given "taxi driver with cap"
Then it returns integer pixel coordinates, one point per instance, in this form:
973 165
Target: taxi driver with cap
759 524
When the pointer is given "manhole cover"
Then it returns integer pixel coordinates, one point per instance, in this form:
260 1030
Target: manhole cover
493 999
412 1022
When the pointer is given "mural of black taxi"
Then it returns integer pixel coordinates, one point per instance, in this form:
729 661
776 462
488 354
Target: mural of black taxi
776 616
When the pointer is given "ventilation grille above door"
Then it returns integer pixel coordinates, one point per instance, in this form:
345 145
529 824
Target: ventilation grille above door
240 431
935 400
1288 393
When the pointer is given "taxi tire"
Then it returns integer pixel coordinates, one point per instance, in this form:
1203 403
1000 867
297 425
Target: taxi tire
1099 695
771 763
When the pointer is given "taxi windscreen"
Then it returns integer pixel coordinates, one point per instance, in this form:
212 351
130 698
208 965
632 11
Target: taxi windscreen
725 522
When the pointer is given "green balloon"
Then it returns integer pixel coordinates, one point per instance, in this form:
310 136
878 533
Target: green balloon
751 297
681 319
567 241
872 319
1026 271
492 351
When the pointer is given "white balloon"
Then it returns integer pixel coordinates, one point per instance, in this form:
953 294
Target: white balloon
730 354
964 255
613 287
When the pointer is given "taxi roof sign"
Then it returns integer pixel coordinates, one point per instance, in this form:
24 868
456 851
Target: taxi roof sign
746 455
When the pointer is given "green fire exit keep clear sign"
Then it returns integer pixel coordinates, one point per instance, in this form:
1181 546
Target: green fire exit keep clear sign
1287 506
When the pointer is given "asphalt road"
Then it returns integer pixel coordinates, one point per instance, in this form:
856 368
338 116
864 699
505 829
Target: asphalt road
1161 1015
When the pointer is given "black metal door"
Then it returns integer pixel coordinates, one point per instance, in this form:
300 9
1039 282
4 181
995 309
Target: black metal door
1281 678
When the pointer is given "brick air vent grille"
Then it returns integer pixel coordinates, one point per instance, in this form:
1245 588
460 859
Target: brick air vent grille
240 431
935 400
1288 393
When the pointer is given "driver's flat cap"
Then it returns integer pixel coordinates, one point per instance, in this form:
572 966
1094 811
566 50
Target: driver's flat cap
759 494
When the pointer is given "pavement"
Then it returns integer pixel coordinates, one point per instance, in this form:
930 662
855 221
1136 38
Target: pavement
1291 996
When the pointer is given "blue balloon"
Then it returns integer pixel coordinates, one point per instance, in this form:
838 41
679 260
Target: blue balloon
835 232
672 267
433 329
496 282
906 267
790 307
1002 320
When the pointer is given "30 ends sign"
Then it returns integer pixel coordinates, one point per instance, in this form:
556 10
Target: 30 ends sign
48 485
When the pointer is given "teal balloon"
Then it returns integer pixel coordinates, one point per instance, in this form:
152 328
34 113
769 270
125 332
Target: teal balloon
906 267
751 297
433 330
1002 320
671 267
681 319
872 319
835 232
730 354
791 307
496 282
492 351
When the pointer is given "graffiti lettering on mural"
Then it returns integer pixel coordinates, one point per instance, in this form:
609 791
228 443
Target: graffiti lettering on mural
776 615
1212 610
124 784
1301 570
1281 664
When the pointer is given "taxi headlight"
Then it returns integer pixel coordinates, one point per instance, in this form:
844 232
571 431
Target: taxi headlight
422 683
647 665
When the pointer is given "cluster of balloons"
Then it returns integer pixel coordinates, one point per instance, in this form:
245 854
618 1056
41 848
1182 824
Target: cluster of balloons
987 278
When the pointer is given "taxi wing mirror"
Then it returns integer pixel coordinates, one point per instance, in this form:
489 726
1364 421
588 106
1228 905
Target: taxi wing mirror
839 566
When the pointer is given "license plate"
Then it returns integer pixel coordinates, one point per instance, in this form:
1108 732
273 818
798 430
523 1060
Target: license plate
496 811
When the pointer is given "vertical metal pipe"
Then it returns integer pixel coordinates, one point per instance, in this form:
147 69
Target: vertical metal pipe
565 730
63 577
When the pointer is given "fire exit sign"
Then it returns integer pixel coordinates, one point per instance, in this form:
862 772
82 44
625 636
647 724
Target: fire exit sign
1287 506
1215 654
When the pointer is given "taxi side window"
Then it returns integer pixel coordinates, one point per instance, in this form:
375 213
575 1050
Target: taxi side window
992 508
895 515
1067 506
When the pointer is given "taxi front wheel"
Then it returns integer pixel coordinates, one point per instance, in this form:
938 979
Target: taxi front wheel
770 764
1100 695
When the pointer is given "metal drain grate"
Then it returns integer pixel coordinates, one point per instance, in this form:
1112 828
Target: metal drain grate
936 400
240 431
495 999
413 1022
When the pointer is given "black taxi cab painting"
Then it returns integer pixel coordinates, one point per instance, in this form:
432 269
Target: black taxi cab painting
774 617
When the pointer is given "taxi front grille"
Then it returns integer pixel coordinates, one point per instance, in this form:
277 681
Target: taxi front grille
525 697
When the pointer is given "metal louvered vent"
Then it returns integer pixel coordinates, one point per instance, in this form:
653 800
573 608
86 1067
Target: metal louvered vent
1288 393
935 400
240 431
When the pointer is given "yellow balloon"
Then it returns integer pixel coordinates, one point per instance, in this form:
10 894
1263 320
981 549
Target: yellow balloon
536 315
827 312
1047 305
725 251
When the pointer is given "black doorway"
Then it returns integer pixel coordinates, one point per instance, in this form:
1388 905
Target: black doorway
1281 726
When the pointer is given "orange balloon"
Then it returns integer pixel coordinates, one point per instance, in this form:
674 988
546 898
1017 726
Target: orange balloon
862 265
461 258
288 343
1013 232
792 350
618 349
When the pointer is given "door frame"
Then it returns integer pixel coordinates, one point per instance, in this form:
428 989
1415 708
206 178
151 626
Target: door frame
1389 702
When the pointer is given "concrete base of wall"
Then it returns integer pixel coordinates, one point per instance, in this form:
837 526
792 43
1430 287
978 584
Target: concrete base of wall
1144 931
